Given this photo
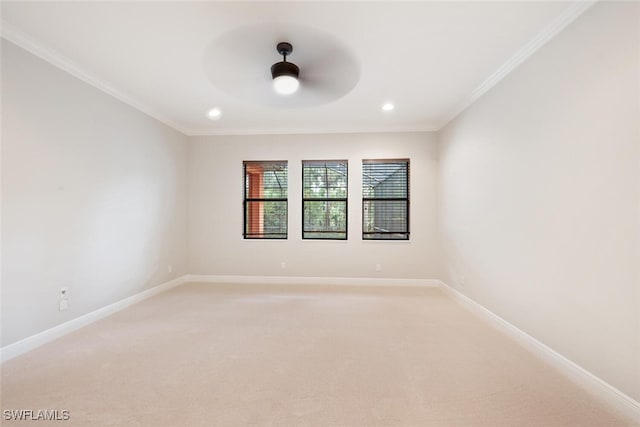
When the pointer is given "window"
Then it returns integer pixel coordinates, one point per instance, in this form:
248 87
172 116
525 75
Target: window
385 199
265 200
324 199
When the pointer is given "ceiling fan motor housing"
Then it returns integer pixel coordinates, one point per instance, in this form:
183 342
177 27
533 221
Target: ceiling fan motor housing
284 69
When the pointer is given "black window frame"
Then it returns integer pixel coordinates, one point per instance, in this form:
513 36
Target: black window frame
327 199
390 235
247 200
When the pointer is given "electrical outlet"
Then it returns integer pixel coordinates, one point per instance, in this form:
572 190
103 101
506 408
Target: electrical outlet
378 268
63 299
283 265
169 268
462 280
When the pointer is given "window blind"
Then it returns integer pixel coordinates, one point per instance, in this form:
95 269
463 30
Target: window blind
385 199
265 200
324 199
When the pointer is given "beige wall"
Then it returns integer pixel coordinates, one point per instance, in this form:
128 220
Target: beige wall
540 196
93 197
216 245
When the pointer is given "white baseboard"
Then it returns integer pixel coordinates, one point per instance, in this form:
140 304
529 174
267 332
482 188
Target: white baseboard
16 349
303 280
618 400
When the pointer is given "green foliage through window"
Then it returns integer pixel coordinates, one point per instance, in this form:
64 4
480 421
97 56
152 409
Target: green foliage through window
324 199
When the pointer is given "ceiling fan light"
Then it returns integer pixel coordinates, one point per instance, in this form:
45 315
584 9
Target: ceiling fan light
285 74
285 85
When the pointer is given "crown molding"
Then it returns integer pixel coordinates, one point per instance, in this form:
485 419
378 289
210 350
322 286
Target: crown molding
570 14
12 34
305 131
19 38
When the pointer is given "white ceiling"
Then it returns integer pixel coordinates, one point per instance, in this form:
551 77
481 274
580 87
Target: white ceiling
176 60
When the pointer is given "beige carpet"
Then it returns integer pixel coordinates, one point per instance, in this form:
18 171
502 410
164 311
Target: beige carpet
240 355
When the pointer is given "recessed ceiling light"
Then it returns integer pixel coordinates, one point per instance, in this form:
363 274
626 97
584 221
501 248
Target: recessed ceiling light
388 106
214 113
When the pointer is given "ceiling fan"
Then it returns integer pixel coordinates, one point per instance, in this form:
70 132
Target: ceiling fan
285 74
241 64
